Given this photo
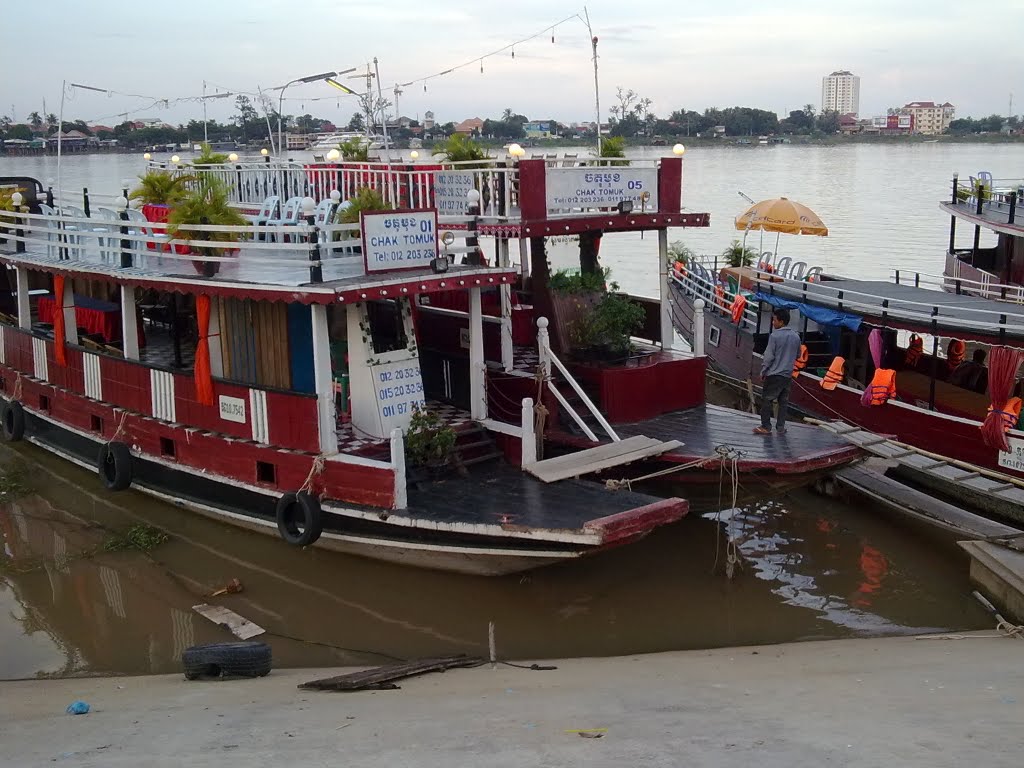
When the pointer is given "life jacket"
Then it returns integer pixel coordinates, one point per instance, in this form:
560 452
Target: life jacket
1009 413
914 351
801 361
955 352
834 374
720 297
739 303
765 267
882 386
680 269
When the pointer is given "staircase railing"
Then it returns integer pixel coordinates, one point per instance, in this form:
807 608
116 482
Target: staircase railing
548 359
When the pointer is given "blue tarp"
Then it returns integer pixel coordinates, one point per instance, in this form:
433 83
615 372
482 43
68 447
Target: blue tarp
820 315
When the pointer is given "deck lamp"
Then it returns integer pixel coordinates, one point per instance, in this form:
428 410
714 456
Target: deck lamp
516 151
146 156
233 157
414 155
439 264
19 246
678 150
333 155
175 159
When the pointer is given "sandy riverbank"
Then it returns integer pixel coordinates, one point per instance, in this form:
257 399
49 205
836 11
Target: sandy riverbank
878 702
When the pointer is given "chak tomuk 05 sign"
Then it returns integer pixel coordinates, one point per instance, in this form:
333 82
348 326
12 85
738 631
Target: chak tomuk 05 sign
394 240
602 188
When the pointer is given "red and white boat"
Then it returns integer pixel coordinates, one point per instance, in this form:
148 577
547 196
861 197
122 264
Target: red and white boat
278 393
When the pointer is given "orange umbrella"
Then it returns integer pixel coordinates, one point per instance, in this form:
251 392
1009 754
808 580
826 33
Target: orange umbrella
782 215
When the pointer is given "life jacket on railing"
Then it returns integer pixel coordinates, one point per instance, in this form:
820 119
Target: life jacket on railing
720 297
801 361
764 266
955 352
914 351
679 268
834 374
1009 413
882 386
739 303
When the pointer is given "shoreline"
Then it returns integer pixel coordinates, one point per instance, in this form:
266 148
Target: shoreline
862 702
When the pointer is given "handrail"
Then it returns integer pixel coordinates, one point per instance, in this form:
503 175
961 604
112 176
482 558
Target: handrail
546 358
983 287
704 289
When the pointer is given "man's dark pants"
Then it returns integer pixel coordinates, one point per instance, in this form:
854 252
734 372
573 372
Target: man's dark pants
775 388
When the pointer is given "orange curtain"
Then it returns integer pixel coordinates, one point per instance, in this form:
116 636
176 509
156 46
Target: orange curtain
204 381
1003 363
59 350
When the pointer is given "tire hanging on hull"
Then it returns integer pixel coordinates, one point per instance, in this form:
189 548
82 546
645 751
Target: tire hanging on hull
115 466
299 518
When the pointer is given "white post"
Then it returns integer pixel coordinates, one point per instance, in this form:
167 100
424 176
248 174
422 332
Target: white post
216 355
505 292
398 465
477 369
529 439
67 306
24 309
543 346
129 323
323 383
665 276
698 327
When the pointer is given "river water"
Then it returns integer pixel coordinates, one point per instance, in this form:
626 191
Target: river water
809 568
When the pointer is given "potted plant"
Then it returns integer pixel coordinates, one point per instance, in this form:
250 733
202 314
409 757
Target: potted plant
429 442
158 191
603 333
612 148
355 150
737 255
459 148
365 199
208 157
206 203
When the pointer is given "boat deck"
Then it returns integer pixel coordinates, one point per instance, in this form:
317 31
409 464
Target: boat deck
906 302
995 214
497 493
709 431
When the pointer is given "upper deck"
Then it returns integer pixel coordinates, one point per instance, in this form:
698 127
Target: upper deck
990 203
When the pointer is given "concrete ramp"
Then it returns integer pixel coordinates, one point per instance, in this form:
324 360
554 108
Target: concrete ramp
599 458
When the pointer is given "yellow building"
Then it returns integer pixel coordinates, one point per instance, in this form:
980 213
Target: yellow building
929 117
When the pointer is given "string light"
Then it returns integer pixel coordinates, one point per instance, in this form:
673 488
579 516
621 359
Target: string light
513 53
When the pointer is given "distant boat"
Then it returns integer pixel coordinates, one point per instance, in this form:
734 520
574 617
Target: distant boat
332 140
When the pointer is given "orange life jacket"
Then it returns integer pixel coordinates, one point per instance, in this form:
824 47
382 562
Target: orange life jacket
680 269
1009 413
739 303
834 374
955 352
883 386
801 361
720 297
914 351
765 267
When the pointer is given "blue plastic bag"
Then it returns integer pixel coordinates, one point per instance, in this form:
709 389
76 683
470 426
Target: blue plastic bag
77 708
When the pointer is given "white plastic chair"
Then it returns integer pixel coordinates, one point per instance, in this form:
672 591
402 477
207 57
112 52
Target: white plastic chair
73 230
52 231
142 226
108 227
290 216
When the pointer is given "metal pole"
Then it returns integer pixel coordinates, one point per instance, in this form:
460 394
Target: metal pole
85 200
126 245
206 137
380 101
955 185
597 87
280 107
316 270
935 359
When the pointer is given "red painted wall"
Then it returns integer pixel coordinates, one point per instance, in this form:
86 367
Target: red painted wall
645 391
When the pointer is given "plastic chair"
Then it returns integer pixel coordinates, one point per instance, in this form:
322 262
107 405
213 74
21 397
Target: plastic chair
290 216
142 226
782 268
73 230
51 227
796 272
108 227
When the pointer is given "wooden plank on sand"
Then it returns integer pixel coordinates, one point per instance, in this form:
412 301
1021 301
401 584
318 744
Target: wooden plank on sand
239 626
380 677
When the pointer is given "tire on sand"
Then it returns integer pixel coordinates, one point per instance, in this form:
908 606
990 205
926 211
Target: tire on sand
223 660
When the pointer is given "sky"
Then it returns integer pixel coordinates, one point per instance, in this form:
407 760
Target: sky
697 55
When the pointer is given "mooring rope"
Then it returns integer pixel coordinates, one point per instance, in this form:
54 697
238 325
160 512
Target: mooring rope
16 396
120 428
314 471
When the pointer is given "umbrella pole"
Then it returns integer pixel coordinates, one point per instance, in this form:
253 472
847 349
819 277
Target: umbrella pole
777 246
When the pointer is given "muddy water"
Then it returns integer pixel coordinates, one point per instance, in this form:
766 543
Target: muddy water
805 568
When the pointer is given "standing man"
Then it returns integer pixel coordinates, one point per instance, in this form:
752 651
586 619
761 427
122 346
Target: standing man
777 372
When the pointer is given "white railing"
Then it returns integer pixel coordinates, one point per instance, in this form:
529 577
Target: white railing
700 283
985 288
547 358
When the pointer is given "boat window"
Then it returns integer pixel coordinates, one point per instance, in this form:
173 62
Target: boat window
387 325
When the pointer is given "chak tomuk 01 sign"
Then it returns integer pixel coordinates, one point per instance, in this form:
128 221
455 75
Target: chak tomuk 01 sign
601 188
398 239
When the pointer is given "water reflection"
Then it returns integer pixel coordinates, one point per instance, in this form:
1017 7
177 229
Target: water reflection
807 570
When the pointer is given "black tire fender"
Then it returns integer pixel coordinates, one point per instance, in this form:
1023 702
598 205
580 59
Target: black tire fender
227 660
115 466
299 518
12 421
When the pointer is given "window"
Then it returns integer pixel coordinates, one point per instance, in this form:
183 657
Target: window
44 403
167 447
387 324
96 423
266 473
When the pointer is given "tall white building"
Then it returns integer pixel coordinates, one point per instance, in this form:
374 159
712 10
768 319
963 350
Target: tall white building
840 92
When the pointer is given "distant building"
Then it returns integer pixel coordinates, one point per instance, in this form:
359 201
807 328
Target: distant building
840 92
471 127
892 124
929 117
428 120
540 129
849 124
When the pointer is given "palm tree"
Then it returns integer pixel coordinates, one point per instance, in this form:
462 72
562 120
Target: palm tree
506 116
51 120
35 121
809 109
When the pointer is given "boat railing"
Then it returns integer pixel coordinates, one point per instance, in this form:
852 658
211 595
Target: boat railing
985 194
924 313
989 289
700 282
547 360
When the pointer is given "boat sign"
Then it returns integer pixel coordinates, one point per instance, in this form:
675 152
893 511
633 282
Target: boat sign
451 190
602 188
232 409
399 390
395 240
1015 458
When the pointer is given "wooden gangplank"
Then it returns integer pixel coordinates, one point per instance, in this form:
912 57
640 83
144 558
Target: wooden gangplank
988 491
604 456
